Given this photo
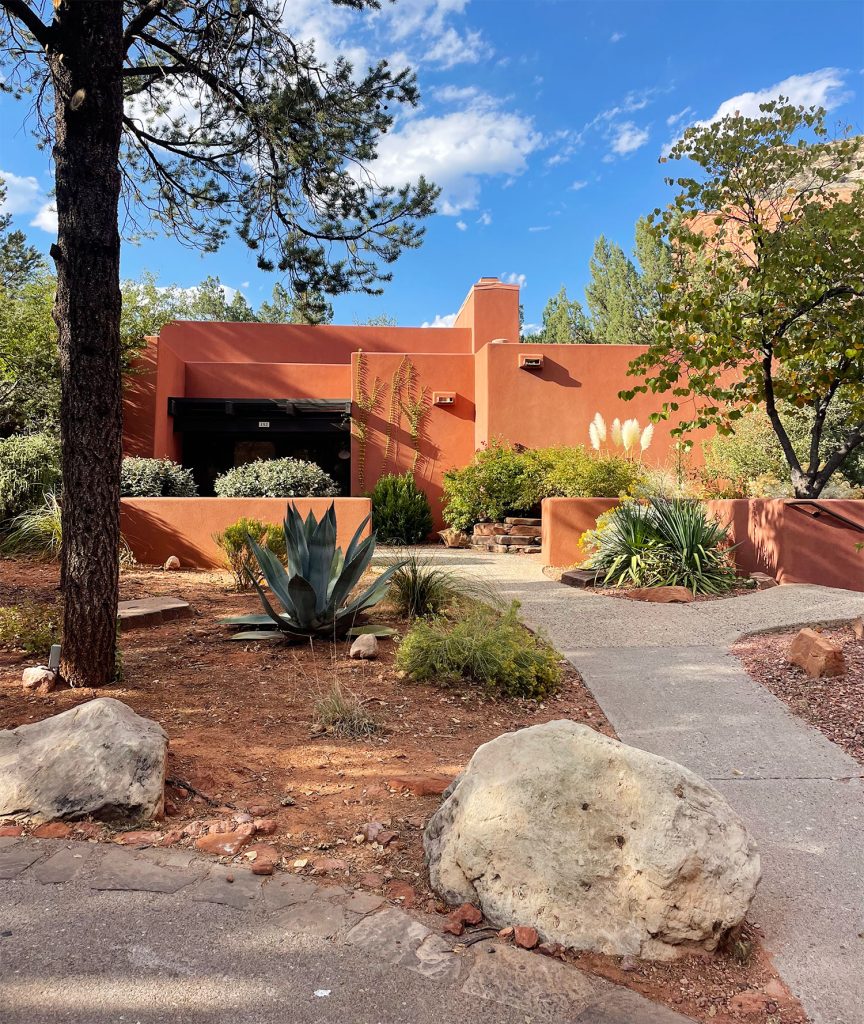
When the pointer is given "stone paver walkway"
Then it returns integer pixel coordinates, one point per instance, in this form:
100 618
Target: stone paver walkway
665 679
91 934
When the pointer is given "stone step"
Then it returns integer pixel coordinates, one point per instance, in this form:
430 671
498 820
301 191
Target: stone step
151 611
582 578
517 521
517 538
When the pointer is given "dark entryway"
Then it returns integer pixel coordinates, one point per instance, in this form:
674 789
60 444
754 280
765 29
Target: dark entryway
218 434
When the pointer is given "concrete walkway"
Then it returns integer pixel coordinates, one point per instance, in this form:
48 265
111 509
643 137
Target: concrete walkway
93 934
665 679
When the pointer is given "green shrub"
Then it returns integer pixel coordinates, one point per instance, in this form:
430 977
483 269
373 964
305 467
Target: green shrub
38 531
662 543
276 478
30 627
29 466
155 478
234 542
400 510
483 647
574 472
499 481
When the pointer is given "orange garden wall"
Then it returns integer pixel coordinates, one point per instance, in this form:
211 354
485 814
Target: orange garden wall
774 535
156 528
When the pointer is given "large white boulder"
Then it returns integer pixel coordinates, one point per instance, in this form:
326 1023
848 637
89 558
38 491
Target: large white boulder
595 844
99 759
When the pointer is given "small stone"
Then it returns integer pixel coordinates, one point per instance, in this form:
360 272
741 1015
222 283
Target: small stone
300 864
370 881
259 810
453 538
402 891
371 830
11 830
265 826
550 949
858 627
763 581
329 866
38 679
467 914
242 818
52 830
421 785
172 837
816 654
364 647
288 801
223 844
453 927
172 563
525 937
229 878
265 860
505 933
385 838
139 838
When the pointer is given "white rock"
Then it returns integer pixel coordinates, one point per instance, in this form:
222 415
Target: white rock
99 758
365 646
172 563
39 678
595 844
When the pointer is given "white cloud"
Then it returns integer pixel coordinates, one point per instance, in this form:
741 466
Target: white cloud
425 28
627 137
682 115
22 194
578 185
456 150
823 88
485 219
451 48
540 227
616 37
519 279
461 225
46 218
441 321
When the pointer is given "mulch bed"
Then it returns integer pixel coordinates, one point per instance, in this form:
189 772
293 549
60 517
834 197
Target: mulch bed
240 721
834 705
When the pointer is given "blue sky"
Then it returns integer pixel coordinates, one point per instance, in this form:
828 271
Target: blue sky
542 120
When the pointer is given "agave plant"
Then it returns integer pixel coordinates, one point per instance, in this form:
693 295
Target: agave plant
316 589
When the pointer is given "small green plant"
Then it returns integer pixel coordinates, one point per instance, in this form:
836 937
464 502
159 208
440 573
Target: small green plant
30 627
234 542
343 714
276 478
401 512
499 481
662 543
29 467
37 531
155 478
485 647
316 590
421 587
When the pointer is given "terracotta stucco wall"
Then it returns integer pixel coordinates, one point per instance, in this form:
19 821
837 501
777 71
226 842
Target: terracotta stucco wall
490 312
156 528
447 436
773 536
267 380
139 403
555 405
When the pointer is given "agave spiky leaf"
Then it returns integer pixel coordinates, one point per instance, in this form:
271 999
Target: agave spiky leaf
315 590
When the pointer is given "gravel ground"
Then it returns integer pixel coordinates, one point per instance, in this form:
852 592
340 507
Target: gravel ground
835 705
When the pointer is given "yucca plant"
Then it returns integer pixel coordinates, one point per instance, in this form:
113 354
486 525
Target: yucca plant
315 590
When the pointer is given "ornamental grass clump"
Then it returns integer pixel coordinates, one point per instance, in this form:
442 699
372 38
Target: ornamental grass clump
31 627
421 587
485 647
662 543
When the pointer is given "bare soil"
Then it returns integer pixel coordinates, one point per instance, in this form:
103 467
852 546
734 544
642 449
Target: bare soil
835 705
241 722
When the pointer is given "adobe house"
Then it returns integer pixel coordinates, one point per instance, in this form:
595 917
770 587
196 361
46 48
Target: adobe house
363 401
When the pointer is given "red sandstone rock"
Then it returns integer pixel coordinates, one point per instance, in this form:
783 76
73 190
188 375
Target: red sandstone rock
399 890
421 785
467 914
816 654
52 830
223 844
140 838
661 595
525 937
11 830
858 627
265 826
329 866
505 933
266 858
453 927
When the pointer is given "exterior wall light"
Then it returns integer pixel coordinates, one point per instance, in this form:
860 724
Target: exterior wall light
443 397
530 362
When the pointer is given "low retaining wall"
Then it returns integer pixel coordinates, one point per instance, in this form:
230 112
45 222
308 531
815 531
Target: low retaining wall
156 528
774 535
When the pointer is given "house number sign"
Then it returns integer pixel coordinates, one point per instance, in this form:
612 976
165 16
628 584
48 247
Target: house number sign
263 423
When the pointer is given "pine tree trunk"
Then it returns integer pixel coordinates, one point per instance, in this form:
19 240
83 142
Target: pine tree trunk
86 62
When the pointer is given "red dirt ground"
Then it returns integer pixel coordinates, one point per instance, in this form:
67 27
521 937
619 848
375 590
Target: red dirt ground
240 716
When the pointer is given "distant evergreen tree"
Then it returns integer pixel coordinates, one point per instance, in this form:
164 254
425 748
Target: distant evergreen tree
564 322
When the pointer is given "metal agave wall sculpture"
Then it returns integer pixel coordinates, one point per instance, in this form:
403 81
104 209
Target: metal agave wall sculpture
316 589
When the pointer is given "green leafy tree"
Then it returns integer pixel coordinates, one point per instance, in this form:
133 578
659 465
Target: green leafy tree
200 114
766 304
564 322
